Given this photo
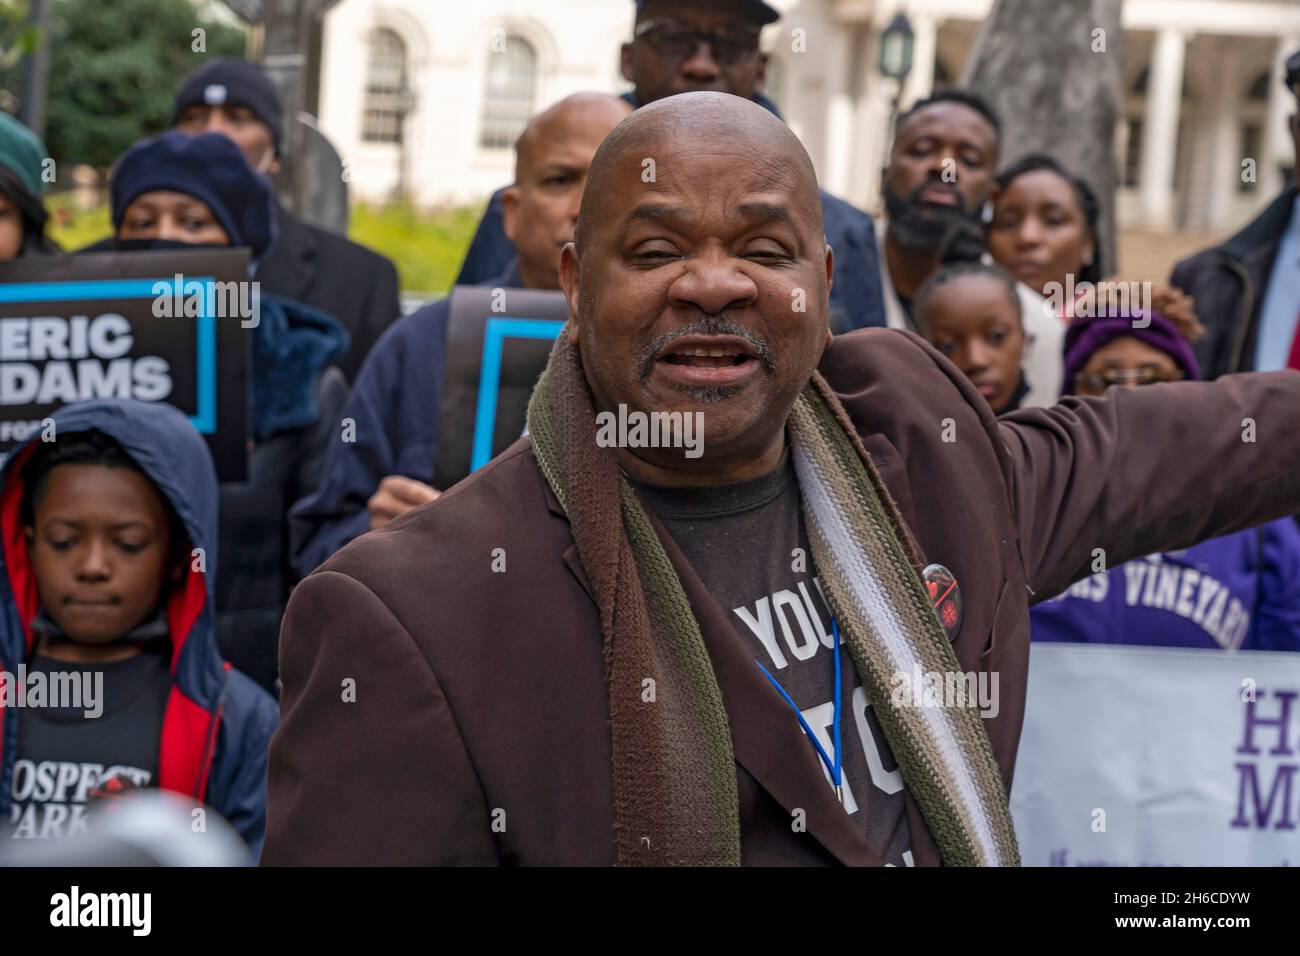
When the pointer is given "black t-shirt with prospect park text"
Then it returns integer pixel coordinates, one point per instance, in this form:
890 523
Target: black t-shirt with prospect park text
67 759
741 540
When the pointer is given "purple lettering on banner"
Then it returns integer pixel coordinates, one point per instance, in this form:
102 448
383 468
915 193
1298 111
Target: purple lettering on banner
1281 722
1249 779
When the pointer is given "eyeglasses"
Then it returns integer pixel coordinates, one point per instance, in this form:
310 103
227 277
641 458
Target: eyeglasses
1095 383
675 41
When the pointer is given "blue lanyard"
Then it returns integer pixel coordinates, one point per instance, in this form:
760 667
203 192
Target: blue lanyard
833 766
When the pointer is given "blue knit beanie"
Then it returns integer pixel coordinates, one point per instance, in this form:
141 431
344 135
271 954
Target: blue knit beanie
209 167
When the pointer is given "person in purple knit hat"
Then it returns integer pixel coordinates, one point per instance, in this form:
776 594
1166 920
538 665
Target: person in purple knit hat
1237 592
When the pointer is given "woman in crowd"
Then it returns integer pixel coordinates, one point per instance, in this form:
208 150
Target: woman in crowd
1240 591
198 190
1044 228
23 216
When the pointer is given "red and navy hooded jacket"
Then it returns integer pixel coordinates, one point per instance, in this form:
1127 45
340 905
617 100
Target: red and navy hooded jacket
217 723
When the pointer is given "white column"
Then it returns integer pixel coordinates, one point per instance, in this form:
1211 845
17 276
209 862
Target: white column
1225 157
839 114
871 139
920 80
839 143
1277 148
1160 128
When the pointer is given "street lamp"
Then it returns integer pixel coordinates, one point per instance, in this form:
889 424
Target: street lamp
896 48
896 59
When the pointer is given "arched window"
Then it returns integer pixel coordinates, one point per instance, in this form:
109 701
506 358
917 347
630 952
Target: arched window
385 102
511 92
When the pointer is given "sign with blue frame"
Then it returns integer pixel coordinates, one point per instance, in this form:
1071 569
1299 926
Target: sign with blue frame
498 343
169 326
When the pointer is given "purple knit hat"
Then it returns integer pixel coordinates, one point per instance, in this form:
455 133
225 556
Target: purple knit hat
1085 335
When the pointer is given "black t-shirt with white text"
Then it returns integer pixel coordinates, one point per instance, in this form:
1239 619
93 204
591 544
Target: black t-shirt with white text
66 757
748 544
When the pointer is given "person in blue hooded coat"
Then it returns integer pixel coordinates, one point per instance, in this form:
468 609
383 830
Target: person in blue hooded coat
177 189
1237 592
108 556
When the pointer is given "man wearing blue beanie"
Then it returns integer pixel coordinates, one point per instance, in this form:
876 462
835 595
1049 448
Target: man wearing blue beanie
307 264
686 46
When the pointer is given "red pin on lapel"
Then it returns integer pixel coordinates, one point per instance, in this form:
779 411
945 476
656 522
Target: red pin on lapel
945 597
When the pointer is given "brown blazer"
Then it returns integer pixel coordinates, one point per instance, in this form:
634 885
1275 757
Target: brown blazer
479 733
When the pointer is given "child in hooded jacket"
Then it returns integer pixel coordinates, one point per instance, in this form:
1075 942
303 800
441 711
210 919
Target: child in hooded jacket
108 557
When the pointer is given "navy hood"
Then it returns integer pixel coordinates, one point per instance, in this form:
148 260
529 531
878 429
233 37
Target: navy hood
168 449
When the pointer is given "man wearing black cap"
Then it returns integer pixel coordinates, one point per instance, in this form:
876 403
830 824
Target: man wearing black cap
683 46
1247 290
306 264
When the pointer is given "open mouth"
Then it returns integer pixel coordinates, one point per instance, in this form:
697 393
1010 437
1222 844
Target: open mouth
708 361
706 358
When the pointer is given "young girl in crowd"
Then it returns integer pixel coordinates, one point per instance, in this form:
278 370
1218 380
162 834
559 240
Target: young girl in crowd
1044 229
1240 591
969 311
23 216
102 591
198 190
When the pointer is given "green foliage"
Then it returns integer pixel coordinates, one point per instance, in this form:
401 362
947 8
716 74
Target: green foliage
114 69
426 248
74 228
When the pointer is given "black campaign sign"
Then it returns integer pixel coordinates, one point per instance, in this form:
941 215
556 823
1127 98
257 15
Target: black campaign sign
154 326
498 342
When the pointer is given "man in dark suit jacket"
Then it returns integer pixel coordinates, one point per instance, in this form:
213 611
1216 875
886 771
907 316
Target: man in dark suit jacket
307 264
1247 289
656 65
453 688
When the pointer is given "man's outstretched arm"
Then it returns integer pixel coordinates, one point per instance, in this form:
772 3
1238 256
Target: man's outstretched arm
367 766
1150 469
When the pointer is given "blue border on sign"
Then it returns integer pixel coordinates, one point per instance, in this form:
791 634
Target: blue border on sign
489 382
205 419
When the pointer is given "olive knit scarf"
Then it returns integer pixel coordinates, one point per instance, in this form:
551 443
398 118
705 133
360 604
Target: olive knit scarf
674 773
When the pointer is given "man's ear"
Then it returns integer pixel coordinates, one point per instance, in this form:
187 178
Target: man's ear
510 211
760 77
625 62
571 283
830 268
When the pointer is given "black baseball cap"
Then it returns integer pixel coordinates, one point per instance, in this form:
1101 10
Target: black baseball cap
1292 79
756 10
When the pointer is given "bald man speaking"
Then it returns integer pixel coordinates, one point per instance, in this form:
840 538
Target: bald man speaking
746 594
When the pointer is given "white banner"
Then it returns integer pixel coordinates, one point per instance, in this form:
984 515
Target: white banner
1137 756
